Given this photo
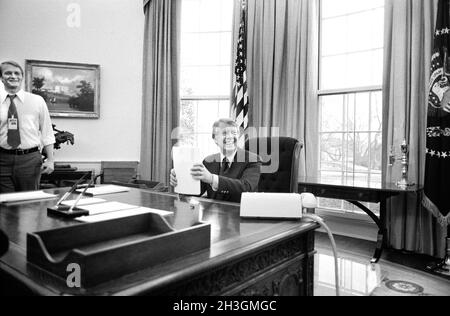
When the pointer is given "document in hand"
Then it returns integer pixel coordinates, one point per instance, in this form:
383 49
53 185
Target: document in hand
25 196
183 160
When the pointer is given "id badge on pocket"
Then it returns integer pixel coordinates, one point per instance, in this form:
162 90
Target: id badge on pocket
12 123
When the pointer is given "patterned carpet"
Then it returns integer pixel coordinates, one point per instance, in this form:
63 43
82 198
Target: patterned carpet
403 281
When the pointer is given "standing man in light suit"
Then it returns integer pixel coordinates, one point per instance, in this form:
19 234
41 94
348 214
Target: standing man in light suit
227 174
25 125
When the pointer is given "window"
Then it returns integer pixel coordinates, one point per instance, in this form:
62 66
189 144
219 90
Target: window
206 35
350 80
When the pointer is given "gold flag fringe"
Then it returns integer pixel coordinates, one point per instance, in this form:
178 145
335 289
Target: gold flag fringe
429 205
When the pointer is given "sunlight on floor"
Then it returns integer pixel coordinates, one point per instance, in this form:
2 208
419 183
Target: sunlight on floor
358 277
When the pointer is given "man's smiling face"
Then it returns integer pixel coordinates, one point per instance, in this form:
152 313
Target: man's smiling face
226 138
12 77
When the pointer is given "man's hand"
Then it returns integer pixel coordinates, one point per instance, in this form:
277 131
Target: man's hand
199 172
48 167
173 178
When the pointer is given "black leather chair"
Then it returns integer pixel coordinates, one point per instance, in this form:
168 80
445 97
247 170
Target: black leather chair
285 178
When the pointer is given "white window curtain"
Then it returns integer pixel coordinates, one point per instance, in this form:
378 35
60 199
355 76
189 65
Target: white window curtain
409 28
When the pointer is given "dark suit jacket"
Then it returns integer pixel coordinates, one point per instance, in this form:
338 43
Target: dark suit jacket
242 176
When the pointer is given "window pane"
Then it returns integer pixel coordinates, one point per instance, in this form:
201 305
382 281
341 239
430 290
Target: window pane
207 113
376 114
362 112
331 151
205 81
190 42
352 70
189 17
209 14
351 43
208 50
330 177
375 152
332 115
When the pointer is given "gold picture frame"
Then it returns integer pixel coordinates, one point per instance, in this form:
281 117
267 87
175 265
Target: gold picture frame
70 89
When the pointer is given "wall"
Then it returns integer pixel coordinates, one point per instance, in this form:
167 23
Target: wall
111 35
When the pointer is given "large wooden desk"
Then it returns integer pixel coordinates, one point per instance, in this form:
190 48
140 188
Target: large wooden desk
355 194
246 257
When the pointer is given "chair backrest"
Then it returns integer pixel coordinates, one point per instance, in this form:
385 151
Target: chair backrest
285 178
122 171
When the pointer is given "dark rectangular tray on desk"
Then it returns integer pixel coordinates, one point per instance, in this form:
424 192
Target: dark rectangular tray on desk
110 249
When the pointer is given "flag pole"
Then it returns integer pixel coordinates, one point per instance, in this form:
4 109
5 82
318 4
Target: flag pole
443 267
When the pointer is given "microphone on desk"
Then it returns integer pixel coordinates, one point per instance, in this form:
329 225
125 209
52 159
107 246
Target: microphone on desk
4 243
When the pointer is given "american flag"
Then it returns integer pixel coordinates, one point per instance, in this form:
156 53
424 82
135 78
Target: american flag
240 101
437 167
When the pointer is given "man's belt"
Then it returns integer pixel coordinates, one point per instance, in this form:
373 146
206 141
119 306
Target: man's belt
18 152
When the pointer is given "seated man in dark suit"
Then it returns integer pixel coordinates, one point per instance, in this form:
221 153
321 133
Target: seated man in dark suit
225 175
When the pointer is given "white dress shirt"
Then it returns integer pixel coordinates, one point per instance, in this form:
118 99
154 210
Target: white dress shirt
35 125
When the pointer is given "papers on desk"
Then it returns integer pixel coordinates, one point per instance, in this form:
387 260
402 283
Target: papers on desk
29 196
120 214
183 160
107 207
83 201
104 189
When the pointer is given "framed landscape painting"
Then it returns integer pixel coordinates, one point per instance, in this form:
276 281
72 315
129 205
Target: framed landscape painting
69 89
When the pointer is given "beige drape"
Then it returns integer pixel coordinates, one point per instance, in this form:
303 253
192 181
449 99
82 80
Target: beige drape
281 70
160 106
409 27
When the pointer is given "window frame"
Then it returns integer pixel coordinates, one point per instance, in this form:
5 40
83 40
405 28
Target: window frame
360 215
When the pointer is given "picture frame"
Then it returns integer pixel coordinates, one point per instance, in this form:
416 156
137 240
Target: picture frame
70 90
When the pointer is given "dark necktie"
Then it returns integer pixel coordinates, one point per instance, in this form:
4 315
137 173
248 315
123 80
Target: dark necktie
13 124
225 165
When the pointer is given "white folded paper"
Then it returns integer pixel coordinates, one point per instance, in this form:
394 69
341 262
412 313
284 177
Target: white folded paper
25 196
104 189
271 205
107 207
183 160
121 214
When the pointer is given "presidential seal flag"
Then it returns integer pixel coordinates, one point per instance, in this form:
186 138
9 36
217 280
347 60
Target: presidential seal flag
437 167
240 98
